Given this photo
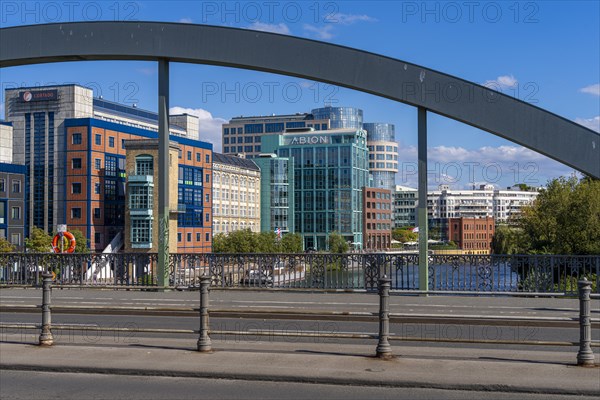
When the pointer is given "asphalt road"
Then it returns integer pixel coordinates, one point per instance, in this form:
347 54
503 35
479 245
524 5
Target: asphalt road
276 327
44 385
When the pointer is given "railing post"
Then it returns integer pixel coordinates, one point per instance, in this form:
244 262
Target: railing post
585 356
384 350
204 344
46 338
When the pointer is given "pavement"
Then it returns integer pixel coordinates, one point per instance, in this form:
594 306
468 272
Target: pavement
493 370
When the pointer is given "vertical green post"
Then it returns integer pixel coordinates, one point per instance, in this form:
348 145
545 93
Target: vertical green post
422 207
163 173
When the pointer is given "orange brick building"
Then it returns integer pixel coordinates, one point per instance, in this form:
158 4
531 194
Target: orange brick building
377 219
473 235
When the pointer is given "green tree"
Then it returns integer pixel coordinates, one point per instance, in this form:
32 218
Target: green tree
39 241
291 243
337 244
219 243
564 219
509 240
404 235
6 246
267 242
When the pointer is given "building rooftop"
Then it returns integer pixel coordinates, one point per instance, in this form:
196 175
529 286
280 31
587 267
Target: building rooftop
235 161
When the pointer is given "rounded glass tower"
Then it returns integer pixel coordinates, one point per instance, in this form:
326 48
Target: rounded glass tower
340 117
383 154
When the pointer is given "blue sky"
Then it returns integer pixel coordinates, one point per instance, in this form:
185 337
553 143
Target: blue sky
546 53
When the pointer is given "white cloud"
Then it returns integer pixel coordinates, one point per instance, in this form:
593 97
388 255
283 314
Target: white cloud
210 127
459 167
592 123
185 20
349 19
273 28
591 89
501 82
322 32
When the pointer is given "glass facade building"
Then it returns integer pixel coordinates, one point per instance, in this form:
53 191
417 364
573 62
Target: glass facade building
329 172
276 194
340 117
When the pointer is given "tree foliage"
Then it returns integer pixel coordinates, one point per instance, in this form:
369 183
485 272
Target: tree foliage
564 219
337 244
39 241
246 241
6 246
405 234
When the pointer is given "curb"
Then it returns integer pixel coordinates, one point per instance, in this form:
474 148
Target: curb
494 388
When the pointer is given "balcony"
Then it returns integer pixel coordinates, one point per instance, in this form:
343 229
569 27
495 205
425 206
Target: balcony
134 178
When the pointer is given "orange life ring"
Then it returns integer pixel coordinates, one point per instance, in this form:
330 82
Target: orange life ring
70 238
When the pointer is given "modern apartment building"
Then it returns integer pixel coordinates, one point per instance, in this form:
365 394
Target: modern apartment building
405 206
236 194
330 171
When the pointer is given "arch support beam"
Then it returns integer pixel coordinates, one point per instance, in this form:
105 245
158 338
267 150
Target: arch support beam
461 100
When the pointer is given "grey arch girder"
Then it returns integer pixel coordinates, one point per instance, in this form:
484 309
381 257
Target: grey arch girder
467 102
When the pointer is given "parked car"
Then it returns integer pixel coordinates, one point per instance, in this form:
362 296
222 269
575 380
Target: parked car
254 277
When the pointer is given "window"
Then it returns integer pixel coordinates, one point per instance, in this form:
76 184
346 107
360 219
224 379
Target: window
144 165
76 163
207 217
122 143
189 156
208 158
15 239
97 188
15 213
207 178
207 236
207 198
98 163
2 182
198 237
141 231
76 188
16 186
76 138
140 197
96 214
75 213
198 158
179 236
111 141
97 237
98 139
189 237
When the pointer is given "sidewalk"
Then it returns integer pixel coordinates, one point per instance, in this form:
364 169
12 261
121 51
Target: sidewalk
331 363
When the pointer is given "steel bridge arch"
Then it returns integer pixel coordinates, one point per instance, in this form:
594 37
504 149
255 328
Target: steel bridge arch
443 94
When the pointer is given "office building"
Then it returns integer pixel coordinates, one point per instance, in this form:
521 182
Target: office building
38 116
12 204
405 204
472 235
236 194
276 193
330 171
242 135
377 219
383 154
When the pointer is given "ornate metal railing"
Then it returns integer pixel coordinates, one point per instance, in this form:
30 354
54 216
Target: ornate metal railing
470 273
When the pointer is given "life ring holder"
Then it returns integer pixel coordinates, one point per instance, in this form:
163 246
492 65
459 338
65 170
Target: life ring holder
58 237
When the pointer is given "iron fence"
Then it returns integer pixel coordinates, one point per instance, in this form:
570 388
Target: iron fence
354 271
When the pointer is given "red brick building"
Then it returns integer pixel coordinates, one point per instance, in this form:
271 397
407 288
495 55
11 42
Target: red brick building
377 219
473 235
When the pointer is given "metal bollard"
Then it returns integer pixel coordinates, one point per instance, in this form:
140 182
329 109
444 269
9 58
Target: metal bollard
384 350
585 356
46 338
204 344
